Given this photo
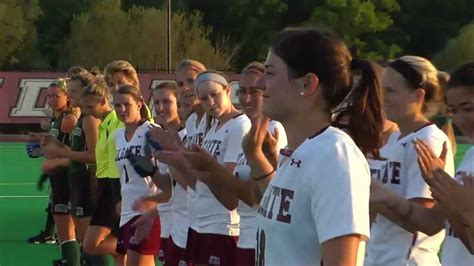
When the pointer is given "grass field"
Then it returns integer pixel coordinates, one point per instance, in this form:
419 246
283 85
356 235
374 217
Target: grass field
22 208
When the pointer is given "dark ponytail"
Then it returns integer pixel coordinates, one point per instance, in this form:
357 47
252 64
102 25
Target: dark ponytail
365 110
310 50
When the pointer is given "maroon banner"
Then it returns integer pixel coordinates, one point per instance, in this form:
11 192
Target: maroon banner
22 94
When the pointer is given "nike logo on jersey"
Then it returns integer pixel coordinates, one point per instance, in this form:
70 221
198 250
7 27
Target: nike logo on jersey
268 207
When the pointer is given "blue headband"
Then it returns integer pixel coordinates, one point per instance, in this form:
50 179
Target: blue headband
209 76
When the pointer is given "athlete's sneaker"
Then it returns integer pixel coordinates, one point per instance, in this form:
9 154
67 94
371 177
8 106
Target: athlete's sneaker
42 238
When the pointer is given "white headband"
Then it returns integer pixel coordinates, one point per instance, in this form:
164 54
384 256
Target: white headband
209 77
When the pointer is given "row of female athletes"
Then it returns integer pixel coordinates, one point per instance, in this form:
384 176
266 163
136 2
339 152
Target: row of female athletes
346 175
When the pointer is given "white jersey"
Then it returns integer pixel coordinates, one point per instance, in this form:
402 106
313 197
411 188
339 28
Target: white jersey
179 208
166 209
390 244
378 165
454 252
319 193
248 214
225 143
195 131
133 186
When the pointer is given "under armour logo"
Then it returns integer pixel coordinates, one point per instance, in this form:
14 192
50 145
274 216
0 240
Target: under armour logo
295 162
404 144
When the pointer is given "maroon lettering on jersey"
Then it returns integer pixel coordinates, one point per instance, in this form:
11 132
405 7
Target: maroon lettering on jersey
286 197
395 172
212 146
268 207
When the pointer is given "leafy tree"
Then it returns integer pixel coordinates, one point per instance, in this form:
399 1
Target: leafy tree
53 26
458 51
423 27
16 24
249 25
358 22
107 33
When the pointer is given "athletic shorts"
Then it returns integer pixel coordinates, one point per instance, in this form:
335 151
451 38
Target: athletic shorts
163 249
83 192
105 214
244 257
148 246
174 254
60 195
212 249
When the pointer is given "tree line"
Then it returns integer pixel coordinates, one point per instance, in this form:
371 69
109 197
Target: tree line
225 34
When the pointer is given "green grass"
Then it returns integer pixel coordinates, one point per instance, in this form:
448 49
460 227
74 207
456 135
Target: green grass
22 214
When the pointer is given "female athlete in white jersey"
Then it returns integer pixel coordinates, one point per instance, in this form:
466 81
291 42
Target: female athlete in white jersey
214 242
196 124
315 208
172 209
251 87
454 200
131 145
412 94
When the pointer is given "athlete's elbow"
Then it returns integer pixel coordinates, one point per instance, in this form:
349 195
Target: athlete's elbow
91 157
231 204
166 196
432 230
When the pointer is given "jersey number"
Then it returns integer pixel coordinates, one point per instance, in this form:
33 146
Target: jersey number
260 248
126 174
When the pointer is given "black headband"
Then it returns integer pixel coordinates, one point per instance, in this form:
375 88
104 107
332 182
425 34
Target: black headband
414 78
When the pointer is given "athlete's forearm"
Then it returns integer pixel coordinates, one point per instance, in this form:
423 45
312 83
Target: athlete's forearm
262 170
164 183
184 177
468 218
461 228
162 197
230 186
80 156
411 216
215 181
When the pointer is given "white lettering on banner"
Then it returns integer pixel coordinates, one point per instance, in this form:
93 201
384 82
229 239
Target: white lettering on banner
29 102
30 90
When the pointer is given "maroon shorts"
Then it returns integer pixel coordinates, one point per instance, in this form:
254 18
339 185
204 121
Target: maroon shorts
212 249
174 254
163 249
191 246
148 246
245 257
